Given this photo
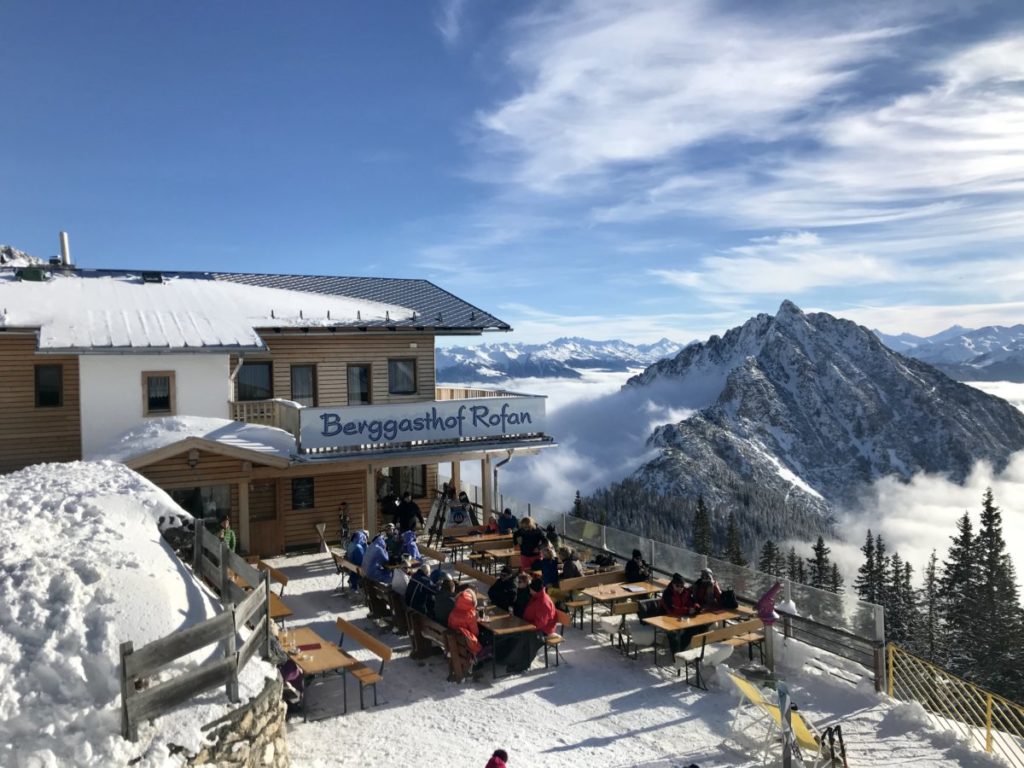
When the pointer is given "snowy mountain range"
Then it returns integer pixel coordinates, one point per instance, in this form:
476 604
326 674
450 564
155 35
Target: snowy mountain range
809 408
561 358
992 353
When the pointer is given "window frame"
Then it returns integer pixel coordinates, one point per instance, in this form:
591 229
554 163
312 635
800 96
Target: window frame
297 489
270 380
171 395
313 384
36 392
368 367
394 361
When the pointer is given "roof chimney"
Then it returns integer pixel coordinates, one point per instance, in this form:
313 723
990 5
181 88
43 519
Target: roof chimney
65 250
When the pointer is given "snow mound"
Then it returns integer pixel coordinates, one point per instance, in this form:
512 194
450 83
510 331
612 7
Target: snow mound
85 569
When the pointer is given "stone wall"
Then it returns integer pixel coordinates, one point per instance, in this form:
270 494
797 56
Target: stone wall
251 736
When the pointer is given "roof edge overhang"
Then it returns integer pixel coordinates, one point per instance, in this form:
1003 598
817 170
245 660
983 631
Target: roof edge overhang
420 454
211 446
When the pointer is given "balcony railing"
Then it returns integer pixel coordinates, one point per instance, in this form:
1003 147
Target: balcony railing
283 414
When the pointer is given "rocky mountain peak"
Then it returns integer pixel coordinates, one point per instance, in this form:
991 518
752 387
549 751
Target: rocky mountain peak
815 407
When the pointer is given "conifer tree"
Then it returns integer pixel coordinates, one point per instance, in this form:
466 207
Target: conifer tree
908 599
819 566
770 560
958 587
733 546
701 528
864 584
793 566
928 639
997 656
835 580
879 575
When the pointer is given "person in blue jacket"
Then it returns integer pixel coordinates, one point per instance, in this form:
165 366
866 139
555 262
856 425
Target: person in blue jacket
409 546
375 559
355 553
507 522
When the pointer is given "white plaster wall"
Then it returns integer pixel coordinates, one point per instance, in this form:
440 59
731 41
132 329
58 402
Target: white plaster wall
111 387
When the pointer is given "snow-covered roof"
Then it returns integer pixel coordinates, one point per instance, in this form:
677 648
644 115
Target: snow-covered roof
107 311
156 434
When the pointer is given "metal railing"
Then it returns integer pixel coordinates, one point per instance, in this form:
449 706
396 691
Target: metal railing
141 701
985 719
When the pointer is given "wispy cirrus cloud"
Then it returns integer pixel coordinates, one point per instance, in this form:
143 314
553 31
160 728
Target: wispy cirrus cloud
448 20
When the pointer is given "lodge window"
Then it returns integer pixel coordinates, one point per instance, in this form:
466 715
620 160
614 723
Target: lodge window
157 393
254 382
304 384
302 493
412 479
49 386
358 385
402 376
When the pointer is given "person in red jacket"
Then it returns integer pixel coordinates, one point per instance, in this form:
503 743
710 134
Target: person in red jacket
677 601
498 760
463 619
540 611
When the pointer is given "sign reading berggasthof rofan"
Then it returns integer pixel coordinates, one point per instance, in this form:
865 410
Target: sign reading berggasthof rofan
349 427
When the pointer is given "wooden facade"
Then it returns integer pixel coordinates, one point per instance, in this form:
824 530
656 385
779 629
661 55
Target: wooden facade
332 353
32 434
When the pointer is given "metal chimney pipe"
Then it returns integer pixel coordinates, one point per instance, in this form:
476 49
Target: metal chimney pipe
65 250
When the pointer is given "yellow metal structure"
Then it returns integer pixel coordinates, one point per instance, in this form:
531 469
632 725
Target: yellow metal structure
985 719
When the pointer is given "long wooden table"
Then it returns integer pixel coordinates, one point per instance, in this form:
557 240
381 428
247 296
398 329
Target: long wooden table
317 662
677 624
613 593
503 625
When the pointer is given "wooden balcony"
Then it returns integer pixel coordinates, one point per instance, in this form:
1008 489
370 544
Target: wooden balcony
283 414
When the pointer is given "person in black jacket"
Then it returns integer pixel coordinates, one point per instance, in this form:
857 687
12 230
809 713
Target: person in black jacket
529 538
408 514
502 593
522 594
637 568
444 601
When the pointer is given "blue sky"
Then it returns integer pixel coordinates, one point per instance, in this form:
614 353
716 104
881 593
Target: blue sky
635 170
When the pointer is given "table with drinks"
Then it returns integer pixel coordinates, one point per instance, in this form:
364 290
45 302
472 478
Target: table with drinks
315 657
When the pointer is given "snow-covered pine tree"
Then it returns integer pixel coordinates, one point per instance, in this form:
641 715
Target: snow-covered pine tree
958 587
908 599
895 606
880 574
701 528
835 580
733 545
819 566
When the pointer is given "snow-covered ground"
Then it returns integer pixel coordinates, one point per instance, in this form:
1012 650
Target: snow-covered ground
84 568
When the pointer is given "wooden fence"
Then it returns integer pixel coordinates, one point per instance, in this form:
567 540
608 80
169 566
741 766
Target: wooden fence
212 560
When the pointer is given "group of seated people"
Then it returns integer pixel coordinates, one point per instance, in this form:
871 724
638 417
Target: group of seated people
681 600
388 547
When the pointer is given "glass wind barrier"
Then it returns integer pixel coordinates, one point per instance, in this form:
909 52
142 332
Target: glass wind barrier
841 612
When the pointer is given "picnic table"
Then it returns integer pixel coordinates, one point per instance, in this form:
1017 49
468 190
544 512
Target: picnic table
505 627
679 623
613 593
316 657
478 541
499 555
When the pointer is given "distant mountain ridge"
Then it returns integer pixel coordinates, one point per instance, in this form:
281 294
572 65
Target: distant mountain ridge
810 409
992 353
561 358
12 257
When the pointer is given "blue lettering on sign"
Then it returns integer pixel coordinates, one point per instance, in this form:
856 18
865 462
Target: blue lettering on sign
388 430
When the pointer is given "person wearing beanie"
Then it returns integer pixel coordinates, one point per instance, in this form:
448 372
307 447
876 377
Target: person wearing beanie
507 523
540 611
637 568
502 592
498 760
705 592
677 601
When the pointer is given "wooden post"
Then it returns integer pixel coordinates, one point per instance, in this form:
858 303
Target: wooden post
266 615
129 729
880 667
487 481
197 546
230 645
456 474
243 514
372 507
988 722
890 677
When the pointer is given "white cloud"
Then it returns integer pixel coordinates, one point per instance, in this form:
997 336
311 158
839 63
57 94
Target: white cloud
916 517
926 319
606 85
449 20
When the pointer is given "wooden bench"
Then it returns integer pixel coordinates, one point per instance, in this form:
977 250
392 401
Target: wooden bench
716 646
429 634
464 569
362 673
577 606
615 622
556 640
378 599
